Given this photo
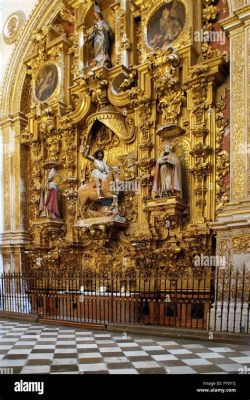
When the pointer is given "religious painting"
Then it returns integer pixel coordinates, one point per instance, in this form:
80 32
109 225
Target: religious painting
166 24
46 82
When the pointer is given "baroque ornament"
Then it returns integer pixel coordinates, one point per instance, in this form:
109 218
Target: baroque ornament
110 89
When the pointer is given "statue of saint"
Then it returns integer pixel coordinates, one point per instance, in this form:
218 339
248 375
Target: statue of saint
100 38
167 181
100 171
49 198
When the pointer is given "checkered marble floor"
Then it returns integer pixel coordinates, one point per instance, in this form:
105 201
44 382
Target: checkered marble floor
34 348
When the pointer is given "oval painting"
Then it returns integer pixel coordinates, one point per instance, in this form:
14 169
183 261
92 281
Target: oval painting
166 24
46 82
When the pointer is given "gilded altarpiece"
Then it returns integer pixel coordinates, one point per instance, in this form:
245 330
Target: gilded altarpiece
110 90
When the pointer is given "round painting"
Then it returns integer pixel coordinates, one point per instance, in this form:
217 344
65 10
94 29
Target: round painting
166 24
46 82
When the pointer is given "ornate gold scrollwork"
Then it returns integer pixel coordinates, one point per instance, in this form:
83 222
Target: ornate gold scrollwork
128 113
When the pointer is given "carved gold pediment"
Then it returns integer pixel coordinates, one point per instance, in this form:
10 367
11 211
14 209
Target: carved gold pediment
123 127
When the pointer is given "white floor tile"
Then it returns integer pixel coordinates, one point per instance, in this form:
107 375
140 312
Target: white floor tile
221 349
196 361
125 371
89 355
164 357
210 355
102 335
19 351
243 360
231 367
86 346
34 369
105 341
193 346
64 361
115 360
12 363
130 344
168 343
93 367
179 351
135 353
62 351
145 364
110 349
152 348
180 370
41 356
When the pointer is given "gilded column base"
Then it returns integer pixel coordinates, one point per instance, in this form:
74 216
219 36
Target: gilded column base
233 234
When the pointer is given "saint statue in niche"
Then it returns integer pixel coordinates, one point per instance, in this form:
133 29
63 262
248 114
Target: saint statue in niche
166 25
49 198
100 37
100 171
168 181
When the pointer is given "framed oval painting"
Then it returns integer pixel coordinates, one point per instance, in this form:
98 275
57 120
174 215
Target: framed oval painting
166 24
46 82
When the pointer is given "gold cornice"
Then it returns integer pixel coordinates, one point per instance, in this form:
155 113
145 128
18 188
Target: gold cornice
11 119
237 20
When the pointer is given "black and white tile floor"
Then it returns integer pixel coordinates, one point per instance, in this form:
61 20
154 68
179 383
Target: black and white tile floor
34 348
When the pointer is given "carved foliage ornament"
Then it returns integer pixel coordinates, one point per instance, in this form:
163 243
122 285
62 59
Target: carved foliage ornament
13 26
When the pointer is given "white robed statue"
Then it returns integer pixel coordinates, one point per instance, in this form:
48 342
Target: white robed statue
100 38
100 171
167 181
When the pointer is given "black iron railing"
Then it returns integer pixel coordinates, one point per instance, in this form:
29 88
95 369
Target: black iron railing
213 301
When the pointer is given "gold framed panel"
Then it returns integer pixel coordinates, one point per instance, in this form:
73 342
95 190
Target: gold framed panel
49 76
155 10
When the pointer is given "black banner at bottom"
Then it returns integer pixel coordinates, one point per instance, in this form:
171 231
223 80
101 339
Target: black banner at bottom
35 386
